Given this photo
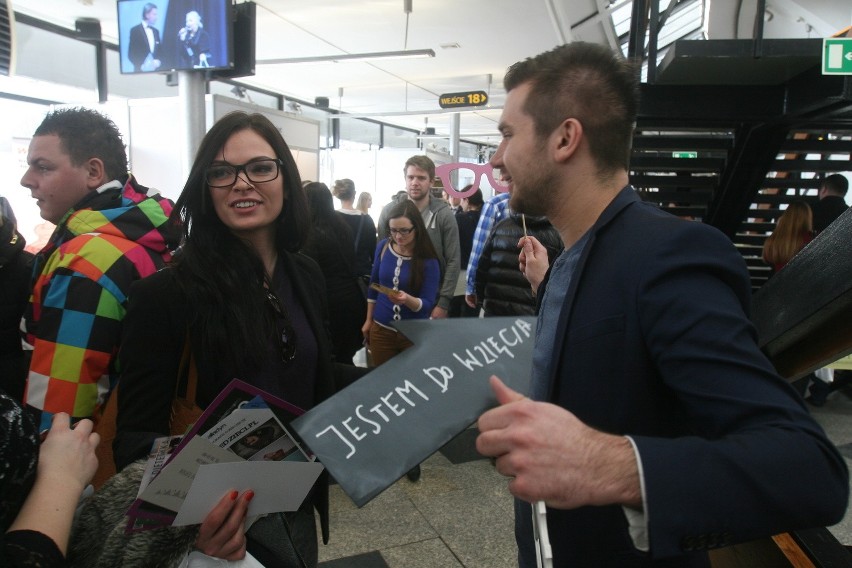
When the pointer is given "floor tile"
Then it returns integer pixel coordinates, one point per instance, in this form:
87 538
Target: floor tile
368 560
382 523
431 553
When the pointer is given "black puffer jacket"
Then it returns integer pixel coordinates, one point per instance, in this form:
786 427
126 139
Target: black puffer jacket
15 269
500 286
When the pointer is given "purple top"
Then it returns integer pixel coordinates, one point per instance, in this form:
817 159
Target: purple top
292 381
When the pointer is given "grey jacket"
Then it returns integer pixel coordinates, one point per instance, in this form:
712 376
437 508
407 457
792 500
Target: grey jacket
444 232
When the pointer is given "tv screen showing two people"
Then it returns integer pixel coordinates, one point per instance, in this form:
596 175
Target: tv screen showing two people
174 35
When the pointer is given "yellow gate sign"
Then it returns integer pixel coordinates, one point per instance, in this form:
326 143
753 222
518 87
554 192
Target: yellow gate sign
466 99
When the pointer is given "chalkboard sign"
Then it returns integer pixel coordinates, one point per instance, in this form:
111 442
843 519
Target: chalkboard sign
371 433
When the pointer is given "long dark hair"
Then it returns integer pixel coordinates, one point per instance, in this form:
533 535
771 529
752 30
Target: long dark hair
788 238
323 216
221 275
423 248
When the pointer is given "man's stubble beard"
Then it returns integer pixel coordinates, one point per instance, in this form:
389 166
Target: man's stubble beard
420 201
537 196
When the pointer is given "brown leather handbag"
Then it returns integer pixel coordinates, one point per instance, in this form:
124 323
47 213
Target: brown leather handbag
184 414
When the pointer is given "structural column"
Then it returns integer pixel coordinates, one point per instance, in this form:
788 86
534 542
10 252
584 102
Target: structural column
191 92
455 130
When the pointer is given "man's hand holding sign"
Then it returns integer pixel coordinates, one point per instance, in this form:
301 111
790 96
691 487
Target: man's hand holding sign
565 471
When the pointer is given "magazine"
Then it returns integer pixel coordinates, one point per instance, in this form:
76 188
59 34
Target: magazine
243 428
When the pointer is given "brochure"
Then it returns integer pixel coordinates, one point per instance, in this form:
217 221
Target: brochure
244 429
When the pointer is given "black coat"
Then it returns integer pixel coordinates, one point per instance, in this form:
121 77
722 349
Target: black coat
153 339
467 221
139 49
827 210
500 284
364 226
15 269
347 307
653 341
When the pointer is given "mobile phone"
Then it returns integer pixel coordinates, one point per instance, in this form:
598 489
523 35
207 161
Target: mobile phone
383 289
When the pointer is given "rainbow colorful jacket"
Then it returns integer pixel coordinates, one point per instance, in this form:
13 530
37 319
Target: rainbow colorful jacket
80 283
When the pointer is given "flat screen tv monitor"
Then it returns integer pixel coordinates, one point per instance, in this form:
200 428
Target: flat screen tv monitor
245 30
161 36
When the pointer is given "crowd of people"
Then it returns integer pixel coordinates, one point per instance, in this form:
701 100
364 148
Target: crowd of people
654 428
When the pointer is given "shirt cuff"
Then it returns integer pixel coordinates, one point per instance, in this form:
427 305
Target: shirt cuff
419 307
637 520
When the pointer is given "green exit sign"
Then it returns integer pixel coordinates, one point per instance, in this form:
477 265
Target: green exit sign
684 154
837 56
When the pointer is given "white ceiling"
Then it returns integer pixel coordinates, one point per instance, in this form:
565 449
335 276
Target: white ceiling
491 35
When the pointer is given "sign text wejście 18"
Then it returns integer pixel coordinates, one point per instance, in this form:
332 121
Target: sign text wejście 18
466 99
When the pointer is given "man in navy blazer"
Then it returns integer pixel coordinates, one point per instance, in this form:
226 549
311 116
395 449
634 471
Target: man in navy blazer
143 49
656 428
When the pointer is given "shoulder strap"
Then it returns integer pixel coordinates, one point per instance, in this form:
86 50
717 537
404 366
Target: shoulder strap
187 364
185 411
348 262
358 232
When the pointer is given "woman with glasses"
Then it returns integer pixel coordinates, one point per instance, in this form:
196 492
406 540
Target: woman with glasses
407 267
406 263
247 306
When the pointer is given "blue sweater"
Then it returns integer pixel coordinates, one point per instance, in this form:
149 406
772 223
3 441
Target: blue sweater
384 267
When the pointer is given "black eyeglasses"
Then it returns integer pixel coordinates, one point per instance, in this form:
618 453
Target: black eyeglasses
285 334
407 231
256 171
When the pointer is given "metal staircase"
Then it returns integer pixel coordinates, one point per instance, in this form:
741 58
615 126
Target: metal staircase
733 148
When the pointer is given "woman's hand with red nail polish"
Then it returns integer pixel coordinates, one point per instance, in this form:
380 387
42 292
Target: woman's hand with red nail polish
222 534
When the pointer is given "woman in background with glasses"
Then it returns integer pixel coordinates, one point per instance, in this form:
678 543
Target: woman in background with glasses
405 262
407 266
250 308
